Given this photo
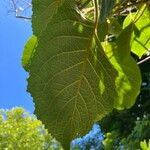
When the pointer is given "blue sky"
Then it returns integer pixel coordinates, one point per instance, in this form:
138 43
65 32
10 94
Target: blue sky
13 35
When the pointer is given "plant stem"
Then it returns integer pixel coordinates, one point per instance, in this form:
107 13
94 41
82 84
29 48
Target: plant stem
96 14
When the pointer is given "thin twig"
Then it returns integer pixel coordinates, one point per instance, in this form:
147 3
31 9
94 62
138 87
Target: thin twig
23 17
16 13
142 61
14 5
96 14
123 8
88 10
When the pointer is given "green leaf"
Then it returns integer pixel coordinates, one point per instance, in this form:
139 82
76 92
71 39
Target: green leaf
106 8
129 80
114 27
28 51
102 30
43 11
140 41
144 145
71 79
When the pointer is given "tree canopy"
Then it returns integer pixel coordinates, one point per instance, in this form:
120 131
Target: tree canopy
20 130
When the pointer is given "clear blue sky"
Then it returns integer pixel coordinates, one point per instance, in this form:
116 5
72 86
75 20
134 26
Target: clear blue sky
13 35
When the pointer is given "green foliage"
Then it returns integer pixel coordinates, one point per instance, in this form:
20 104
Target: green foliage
106 8
43 12
114 27
140 42
123 128
144 145
102 30
118 141
28 51
140 132
74 80
129 80
109 142
22 131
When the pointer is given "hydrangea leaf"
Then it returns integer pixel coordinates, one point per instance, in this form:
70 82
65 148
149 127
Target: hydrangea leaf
71 80
140 41
28 51
129 80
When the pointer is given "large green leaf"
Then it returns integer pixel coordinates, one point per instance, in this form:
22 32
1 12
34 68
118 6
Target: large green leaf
71 80
140 41
129 80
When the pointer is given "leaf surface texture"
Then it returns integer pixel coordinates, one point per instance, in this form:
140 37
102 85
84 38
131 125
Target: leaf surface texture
71 80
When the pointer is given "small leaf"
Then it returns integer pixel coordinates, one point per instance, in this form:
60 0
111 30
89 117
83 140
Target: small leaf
28 51
140 43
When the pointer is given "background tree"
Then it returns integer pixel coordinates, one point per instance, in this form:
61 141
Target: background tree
20 130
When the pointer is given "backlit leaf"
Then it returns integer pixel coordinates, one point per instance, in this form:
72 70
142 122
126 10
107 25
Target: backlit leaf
140 41
129 80
71 79
28 51
43 11
114 27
